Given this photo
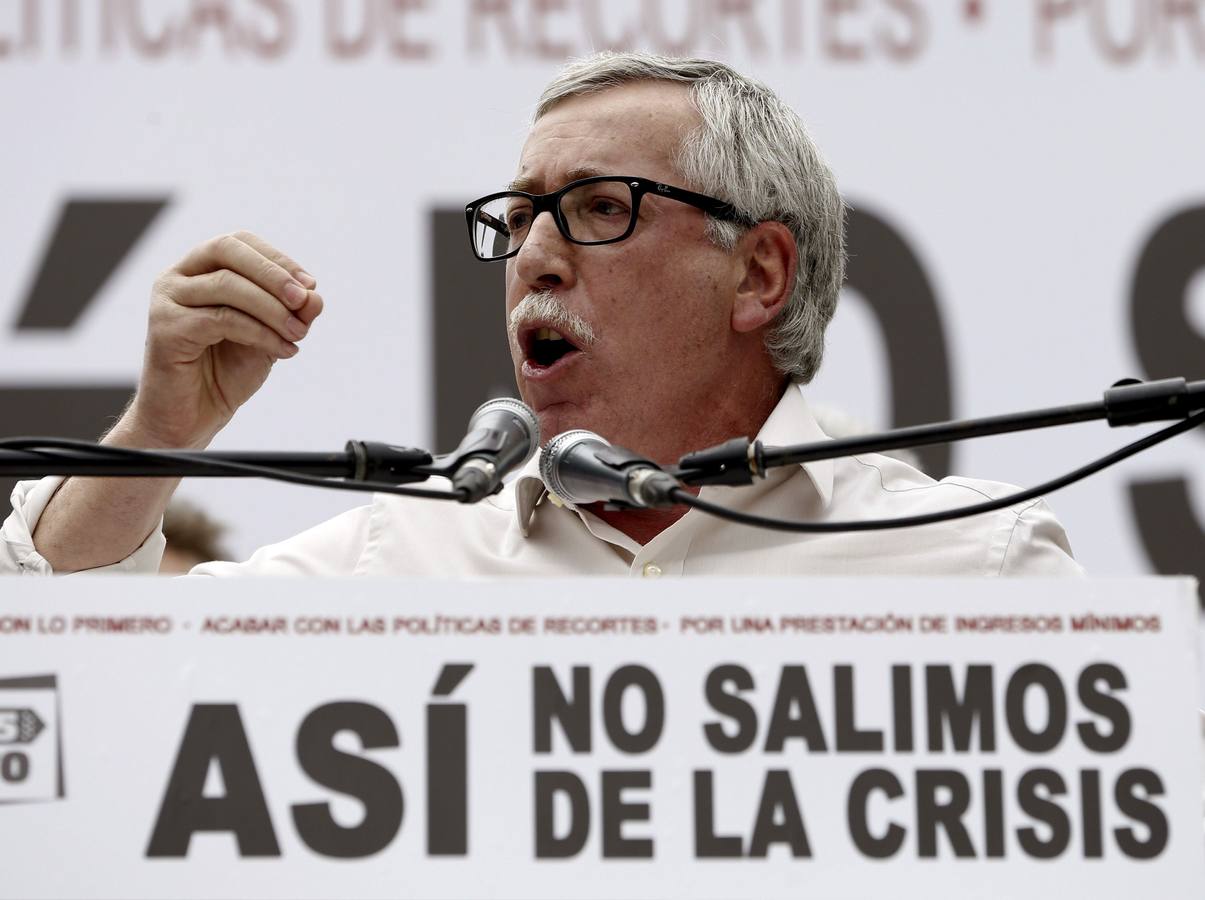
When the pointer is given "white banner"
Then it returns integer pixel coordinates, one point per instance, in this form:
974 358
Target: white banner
770 738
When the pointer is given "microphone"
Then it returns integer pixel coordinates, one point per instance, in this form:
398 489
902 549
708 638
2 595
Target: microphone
503 435
581 467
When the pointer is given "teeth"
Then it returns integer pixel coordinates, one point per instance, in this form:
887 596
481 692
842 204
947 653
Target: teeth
549 334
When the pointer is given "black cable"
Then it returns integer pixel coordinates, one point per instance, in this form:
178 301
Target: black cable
686 498
39 445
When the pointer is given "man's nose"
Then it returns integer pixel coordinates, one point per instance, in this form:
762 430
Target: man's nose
544 259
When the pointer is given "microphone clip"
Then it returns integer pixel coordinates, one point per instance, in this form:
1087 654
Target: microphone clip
1134 402
647 484
735 462
387 463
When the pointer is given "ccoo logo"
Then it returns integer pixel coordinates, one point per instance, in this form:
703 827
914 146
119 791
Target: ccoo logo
31 756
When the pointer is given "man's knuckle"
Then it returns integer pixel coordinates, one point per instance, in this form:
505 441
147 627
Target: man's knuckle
159 313
275 275
222 316
225 245
170 287
223 281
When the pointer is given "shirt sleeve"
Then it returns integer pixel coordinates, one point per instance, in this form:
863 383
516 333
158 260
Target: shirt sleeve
18 556
1038 545
343 545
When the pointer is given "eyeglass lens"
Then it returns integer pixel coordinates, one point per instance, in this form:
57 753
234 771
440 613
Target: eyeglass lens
592 213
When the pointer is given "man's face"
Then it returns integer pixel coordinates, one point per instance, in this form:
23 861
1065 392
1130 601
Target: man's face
658 303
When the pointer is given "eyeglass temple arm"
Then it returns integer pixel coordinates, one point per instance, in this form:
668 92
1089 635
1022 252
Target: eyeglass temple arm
718 208
493 222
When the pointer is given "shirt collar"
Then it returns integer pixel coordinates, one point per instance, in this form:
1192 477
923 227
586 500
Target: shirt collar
791 422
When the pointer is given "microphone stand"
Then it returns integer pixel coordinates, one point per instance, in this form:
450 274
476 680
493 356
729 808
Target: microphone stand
361 461
735 462
1129 402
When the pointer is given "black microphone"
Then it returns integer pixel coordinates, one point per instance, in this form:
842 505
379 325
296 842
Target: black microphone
503 435
581 467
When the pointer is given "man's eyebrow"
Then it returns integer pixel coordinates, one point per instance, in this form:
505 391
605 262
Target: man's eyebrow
528 185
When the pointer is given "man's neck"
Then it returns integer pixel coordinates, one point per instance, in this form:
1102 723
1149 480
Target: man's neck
642 525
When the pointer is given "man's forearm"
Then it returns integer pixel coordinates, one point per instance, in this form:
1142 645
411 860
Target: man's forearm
93 522
219 319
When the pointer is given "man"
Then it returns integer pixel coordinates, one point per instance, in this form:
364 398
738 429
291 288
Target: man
673 246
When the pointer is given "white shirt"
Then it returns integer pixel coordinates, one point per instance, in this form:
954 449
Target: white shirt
526 531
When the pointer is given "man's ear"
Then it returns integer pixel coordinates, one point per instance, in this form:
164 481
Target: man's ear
768 258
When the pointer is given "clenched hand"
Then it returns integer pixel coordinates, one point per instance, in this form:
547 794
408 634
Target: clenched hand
219 319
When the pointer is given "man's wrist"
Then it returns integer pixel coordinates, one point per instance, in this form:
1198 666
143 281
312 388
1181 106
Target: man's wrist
136 431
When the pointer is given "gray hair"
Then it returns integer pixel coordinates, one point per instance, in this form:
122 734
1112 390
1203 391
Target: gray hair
752 151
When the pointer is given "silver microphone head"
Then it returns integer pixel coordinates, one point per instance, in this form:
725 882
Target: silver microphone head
523 416
558 448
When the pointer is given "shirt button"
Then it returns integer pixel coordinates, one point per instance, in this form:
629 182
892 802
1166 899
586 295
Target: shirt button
652 570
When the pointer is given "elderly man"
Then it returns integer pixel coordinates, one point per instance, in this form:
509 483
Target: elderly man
673 246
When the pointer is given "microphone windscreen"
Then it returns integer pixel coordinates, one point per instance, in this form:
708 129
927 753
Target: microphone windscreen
558 449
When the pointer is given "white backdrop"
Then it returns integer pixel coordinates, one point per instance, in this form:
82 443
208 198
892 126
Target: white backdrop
1024 156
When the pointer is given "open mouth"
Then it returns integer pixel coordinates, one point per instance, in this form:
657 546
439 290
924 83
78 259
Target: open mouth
545 347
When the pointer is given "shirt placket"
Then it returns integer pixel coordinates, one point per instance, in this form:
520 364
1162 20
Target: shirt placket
663 556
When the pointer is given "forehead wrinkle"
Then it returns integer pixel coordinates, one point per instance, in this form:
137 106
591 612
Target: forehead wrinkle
528 183
641 125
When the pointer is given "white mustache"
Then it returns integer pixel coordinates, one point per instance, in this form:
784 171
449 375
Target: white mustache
544 307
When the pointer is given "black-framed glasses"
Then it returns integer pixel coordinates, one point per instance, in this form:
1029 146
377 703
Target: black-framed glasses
598 210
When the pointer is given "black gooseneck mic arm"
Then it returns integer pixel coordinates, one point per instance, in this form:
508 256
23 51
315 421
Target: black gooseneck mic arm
503 434
363 466
360 461
1128 402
